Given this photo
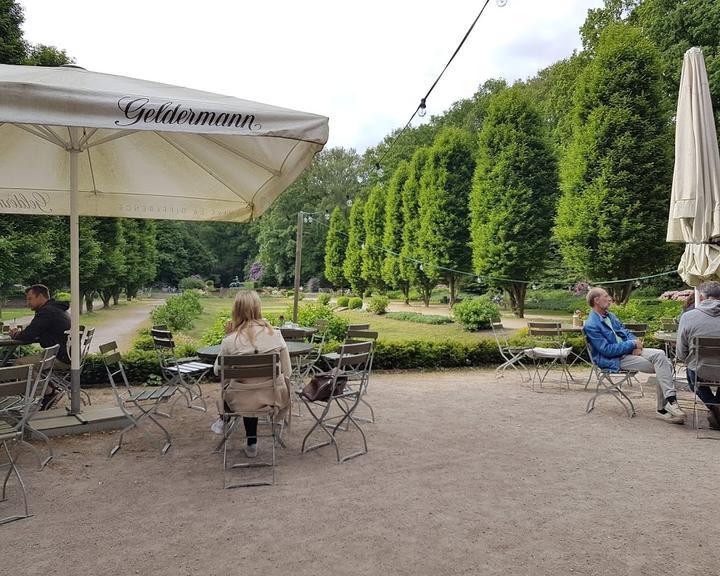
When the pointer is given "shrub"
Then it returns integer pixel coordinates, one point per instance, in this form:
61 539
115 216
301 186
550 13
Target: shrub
343 301
378 304
355 302
178 312
62 296
420 318
648 310
476 313
191 283
216 332
323 298
311 312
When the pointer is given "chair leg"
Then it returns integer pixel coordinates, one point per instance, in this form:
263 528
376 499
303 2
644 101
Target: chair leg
13 468
44 438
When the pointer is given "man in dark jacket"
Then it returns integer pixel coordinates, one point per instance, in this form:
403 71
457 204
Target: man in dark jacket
703 321
49 325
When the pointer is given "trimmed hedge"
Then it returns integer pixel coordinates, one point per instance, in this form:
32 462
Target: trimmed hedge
420 318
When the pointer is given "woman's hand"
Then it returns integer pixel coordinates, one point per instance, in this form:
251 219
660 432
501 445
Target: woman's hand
228 327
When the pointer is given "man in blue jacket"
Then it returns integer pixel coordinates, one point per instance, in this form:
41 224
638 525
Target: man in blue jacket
615 348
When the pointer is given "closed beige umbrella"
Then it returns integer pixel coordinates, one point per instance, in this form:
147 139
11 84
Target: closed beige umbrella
695 204
74 142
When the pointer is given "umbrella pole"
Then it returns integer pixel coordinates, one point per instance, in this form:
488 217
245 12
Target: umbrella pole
74 285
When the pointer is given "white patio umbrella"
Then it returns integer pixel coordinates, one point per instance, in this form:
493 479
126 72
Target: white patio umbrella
695 203
74 142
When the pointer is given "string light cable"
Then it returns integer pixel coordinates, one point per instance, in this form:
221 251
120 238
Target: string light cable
422 107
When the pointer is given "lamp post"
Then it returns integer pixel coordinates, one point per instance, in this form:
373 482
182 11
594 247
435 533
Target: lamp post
298 260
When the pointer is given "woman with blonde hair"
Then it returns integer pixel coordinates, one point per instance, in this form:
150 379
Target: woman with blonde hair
249 333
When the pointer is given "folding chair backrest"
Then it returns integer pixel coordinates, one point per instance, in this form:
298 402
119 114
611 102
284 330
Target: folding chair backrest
706 353
638 330
86 341
43 370
250 366
358 327
669 324
355 356
500 335
293 334
550 330
114 366
162 338
358 335
589 348
18 381
321 324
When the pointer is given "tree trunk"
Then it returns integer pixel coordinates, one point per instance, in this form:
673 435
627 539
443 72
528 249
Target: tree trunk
105 295
405 287
620 293
426 293
452 285
116 296
517 292
88 302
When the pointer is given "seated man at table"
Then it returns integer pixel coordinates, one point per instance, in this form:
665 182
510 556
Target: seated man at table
615 348
49 325
702 321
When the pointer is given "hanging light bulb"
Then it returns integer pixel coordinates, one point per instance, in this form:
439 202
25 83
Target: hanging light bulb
501 3
421 266
478 280
379 169
305 219
348 201
422 110
363 246
327 215
310 219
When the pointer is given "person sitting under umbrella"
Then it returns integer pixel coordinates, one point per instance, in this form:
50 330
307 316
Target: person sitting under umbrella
702 321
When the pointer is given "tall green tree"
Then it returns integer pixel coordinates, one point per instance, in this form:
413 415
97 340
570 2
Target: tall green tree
13 47
616 176
141 256
514 194
335 246
392 270
410 257
108 276
180 253
444 235
373 254
352 267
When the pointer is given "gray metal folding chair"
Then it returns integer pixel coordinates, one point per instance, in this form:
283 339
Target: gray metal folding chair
263 368
512 355
554 352
705 352
185 373
293 334
352 327
354 361
609 382
42 364
61 377
15 382
137 406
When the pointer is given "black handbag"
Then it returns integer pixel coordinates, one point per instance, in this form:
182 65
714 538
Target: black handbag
320 386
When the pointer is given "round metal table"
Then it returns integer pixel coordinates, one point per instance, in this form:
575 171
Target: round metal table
210 353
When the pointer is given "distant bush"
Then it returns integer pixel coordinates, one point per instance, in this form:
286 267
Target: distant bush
649 310
178 312
378 304
323 298
191 283
343 301
62 296
476 313
420 318
310 312
355 302
560 300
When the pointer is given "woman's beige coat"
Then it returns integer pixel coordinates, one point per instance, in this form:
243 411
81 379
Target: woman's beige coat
254 394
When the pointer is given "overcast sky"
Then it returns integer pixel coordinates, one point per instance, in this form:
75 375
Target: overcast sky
365 64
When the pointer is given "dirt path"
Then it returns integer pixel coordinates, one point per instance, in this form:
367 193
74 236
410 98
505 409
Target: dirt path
465 475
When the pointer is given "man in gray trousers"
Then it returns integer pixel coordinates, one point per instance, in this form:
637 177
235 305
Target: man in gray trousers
703 321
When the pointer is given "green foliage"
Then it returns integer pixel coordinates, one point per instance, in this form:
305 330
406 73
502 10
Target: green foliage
12 44
616 176
141 255
323 298
430 354
443 236
216 332
355 302
335 244
342 301
191 283
180 252
420 318
178 312
352 267
373 253
649 310
62 296
393 230
476 313
310 312
378 304
513 196
560 300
